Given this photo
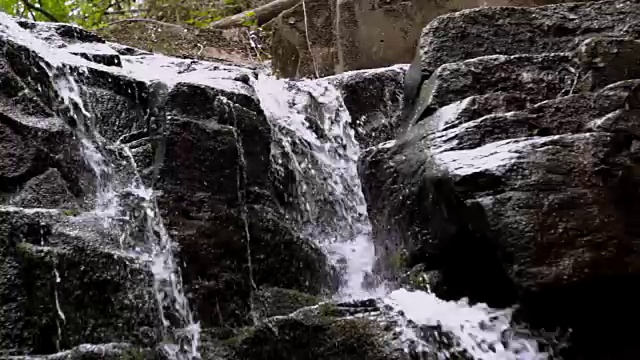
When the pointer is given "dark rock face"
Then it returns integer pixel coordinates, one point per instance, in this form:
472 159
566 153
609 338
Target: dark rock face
516 180
62 286
112 351
48 190
520 30
374 100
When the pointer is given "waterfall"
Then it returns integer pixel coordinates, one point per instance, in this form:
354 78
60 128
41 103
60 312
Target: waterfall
312 129
124 207
313 136
311 124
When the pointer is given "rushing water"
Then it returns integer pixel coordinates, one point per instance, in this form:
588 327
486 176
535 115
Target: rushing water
313 135
311 124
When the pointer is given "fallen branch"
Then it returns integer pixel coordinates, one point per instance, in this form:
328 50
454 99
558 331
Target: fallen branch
143 20
261 15
42 11
306 33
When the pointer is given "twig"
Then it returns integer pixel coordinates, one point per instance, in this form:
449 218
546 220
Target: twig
42 11
144 20
261 14
306 32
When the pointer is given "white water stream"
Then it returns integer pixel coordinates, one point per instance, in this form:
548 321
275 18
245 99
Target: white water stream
324 156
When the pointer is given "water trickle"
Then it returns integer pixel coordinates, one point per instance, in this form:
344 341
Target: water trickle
61 317
140 226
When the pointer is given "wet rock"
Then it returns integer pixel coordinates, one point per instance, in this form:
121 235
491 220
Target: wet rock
201 141
208 205
48 191
113 351
75 39
374 101
530 184
357 339
522 30
540 77
358 330
60 291
539 30
606 60
272 301
34 141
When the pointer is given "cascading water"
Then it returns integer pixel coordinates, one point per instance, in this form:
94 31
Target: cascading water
124 207
312 124
313 130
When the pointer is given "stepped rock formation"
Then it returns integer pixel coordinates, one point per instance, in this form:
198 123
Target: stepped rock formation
515 177
68 288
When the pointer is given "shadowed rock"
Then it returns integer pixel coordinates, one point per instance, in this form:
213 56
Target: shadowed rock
520 173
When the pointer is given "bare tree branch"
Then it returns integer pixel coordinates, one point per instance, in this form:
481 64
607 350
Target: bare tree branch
42 11
261 14
144 20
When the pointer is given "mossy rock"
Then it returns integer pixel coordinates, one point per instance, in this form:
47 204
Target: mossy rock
275 301
320 338
58 298
112 351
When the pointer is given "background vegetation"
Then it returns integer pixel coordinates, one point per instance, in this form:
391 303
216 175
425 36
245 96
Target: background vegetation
93 14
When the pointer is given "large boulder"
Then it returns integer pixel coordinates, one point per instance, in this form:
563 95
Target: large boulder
364 329
514 31
516 177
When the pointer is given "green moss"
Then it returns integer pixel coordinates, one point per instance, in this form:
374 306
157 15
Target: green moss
134 354
398 261
71 212
328 309
241 334
358 333
274 301
419 280
23 249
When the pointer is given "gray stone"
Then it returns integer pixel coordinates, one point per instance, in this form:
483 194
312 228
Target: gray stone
203 143
521 30
48 191
112 351
374 101
59 289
